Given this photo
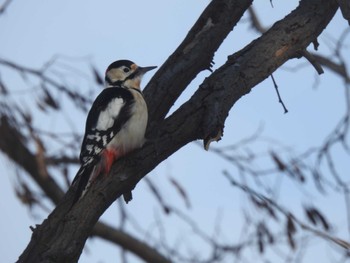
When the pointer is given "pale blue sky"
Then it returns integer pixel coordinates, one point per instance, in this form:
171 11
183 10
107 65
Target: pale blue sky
147 32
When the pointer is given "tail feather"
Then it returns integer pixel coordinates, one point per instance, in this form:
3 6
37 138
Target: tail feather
88 173
82 179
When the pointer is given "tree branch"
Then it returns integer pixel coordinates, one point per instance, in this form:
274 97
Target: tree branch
194 55
141 249
312 61
62 236
339 69
255 21
345 9
18 152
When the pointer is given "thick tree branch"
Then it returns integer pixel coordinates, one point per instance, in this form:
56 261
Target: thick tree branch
194 55
62 236
338 68
18 152
345 9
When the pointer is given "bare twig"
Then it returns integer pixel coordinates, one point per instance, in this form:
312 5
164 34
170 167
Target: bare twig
255 21
344 244
278 94
4 6
337 68
76 97
313 61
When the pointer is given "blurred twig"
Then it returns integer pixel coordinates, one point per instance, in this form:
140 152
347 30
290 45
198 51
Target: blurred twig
4 6
286 213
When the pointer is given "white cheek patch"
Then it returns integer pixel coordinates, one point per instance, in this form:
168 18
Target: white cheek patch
106 118
116 74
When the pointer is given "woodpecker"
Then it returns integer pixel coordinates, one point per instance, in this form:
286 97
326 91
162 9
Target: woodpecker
115 125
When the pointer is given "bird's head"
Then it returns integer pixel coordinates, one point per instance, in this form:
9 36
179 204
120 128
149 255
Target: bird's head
126 73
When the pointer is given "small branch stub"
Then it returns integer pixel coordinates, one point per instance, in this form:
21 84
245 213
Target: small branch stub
312 61
213 137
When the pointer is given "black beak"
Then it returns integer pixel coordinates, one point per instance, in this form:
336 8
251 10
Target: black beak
143 70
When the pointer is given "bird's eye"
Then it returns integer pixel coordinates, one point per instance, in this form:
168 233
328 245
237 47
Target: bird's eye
126 70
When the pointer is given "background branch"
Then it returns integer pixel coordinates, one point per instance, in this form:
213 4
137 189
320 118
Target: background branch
47 153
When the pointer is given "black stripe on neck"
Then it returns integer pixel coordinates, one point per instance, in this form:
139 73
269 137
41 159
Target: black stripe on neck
117 83
120 84
138 90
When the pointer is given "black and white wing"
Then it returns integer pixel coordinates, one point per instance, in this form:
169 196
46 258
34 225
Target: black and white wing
109 112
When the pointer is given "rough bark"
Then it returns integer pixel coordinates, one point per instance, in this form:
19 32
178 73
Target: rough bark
193 55
61 237
345 9
18 152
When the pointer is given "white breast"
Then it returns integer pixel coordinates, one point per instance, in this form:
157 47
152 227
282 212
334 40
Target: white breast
132 134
